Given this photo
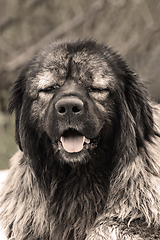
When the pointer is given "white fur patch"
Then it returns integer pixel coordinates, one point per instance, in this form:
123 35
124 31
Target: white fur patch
45 79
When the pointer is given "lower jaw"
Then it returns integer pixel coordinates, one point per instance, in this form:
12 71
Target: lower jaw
73 159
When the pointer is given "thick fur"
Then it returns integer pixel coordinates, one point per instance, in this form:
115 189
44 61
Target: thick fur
108 190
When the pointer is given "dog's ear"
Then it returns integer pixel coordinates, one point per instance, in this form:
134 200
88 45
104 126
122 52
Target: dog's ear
15 104
139 104
135 114
133 103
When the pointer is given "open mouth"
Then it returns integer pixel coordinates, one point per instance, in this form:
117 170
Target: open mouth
73 141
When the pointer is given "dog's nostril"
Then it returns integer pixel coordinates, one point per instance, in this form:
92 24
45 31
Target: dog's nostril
76 109
62 110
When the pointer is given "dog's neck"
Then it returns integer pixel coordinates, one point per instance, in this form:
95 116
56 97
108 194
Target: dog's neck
77 200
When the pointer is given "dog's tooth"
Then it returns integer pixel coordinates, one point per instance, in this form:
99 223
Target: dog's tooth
87 140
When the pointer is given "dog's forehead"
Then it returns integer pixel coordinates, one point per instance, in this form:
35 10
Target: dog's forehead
82 67
94 66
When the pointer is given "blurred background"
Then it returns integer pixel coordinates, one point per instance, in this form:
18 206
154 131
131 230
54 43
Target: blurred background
131 27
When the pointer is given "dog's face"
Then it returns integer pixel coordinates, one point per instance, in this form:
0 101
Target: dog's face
73 100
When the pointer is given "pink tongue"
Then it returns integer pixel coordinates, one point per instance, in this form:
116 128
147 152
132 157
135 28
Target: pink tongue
73 143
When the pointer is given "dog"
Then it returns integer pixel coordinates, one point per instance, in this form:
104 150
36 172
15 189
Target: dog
88 165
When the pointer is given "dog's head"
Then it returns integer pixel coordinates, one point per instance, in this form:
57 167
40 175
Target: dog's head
77 100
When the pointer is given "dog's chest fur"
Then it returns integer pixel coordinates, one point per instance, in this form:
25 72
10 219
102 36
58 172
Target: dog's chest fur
76 202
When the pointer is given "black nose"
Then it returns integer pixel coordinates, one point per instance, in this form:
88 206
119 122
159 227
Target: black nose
69 106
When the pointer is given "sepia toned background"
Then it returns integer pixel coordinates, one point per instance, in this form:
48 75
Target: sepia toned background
131 27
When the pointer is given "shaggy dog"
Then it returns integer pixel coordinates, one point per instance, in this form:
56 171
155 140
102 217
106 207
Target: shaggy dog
88 164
